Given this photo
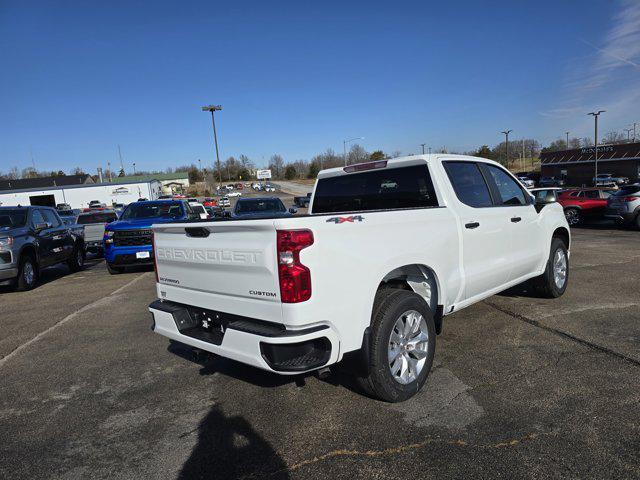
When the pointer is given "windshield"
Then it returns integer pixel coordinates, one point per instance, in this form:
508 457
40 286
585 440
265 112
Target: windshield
628 190
13 218
260 206
101 217
152 209
198 208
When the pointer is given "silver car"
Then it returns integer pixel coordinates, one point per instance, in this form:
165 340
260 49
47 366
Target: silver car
624 205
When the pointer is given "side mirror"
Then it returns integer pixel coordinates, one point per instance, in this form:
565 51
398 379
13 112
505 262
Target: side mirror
293 210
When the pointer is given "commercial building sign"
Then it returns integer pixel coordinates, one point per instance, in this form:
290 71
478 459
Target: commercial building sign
120 191
602 149
263 174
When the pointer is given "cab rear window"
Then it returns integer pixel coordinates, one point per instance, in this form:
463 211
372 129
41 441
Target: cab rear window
388 188
97 218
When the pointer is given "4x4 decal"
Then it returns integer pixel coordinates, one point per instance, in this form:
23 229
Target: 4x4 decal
350 219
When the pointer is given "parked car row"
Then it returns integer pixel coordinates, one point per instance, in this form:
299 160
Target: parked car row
584 204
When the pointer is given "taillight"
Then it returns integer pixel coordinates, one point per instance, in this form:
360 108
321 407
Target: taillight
153 251
630 199
295 278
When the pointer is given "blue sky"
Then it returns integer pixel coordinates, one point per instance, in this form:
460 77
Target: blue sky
296 78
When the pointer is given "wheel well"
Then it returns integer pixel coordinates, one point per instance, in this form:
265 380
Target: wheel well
420 279
562 234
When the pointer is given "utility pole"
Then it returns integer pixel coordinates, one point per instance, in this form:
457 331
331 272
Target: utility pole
595 117
506 134
628 130
109 170
634 132
522 163
567 139
212 109
344 147
423 145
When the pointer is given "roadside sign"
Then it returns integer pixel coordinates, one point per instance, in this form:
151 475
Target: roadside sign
263 174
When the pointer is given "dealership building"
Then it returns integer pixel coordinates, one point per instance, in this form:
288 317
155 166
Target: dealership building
51 191
577 166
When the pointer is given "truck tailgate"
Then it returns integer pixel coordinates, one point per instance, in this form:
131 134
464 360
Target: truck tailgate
233 260
93 232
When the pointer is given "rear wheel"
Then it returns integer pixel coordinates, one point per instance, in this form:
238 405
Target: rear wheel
27 273
553 282
573 216
403 341
114 270
76 262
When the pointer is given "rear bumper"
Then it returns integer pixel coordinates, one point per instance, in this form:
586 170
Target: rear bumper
265 345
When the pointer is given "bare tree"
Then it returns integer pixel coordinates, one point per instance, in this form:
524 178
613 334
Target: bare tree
276 165
357 154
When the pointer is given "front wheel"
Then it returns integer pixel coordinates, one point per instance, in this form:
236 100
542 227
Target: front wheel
403 342
114 270
553 282
27 273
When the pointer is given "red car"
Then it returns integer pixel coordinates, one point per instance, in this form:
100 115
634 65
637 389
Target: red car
582 204
209 202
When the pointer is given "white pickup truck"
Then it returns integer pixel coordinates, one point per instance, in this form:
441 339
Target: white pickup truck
387 250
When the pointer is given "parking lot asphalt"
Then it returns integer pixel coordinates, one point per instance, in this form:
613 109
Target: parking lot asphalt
521 388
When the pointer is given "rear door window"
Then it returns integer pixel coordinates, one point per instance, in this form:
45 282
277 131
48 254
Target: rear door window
380 189
97 218
468 183
592 194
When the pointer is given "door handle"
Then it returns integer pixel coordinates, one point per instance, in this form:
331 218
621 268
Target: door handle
472 225
515 219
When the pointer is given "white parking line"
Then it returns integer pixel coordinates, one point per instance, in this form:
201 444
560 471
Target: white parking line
66 319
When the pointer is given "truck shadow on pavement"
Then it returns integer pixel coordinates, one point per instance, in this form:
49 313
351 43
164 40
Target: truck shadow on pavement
228 447
210 364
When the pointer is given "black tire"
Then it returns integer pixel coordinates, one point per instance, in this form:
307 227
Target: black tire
573 216
380 383
76 262
114 270
545 285
25 280
637 221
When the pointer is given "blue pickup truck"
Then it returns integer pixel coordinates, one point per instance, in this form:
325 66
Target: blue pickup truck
128 240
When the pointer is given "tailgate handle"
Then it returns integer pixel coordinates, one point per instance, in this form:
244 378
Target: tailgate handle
197 232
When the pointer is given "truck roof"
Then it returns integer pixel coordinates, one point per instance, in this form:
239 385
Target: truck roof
398 162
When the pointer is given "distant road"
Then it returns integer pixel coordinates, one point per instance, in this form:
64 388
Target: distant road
293 188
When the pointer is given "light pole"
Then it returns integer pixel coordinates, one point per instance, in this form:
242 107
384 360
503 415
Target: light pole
109 170
634 132
134 168
423 145
628 130
567 139
212 109
344 147
199 164
506 134
595 117
429 150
